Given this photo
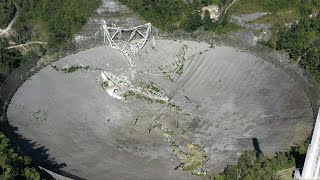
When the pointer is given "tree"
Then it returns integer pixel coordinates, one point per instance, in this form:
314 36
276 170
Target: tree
302 42
31 174
7 12
14 166
206 2
194 22
9 59
208 24
250 166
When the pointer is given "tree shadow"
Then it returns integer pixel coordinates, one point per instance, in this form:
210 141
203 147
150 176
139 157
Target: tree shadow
38 153
256 147
299 153
299 159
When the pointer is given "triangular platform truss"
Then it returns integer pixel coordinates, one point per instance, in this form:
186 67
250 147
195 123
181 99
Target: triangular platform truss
127 41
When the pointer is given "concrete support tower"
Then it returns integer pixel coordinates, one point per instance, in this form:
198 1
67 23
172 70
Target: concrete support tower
312 162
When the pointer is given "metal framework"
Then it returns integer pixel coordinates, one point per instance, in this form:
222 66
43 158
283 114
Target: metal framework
127 41
311 166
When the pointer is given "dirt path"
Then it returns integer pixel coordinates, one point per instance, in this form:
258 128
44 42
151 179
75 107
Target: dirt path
5 32
229 6
26 44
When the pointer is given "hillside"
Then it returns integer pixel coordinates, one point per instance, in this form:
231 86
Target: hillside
293 26
54 22
7 12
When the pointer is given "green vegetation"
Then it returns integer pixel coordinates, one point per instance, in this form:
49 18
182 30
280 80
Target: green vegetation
194 159
153 86
13 165
75 68
171 15
7 12
294 31
302 42
286 174
57 21
167 75
46 20
9 59
192 156
253 6
279 12
259 167
171 71
250 167
52 21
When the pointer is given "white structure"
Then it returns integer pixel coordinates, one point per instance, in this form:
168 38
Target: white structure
127 41
213 10
312 162
119 85
55 175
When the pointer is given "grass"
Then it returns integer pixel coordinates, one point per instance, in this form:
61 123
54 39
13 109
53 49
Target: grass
167 76
228 28
179 70
181 60
192 156
254 6
278 18
42 32
194 159
286 174
279 12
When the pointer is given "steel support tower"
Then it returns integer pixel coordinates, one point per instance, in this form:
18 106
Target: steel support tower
311 166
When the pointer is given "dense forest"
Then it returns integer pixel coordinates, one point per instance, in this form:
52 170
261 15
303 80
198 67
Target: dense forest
56 20
302 41
171 15
13 165
251 167
7 12
52 21
9 59
254 166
